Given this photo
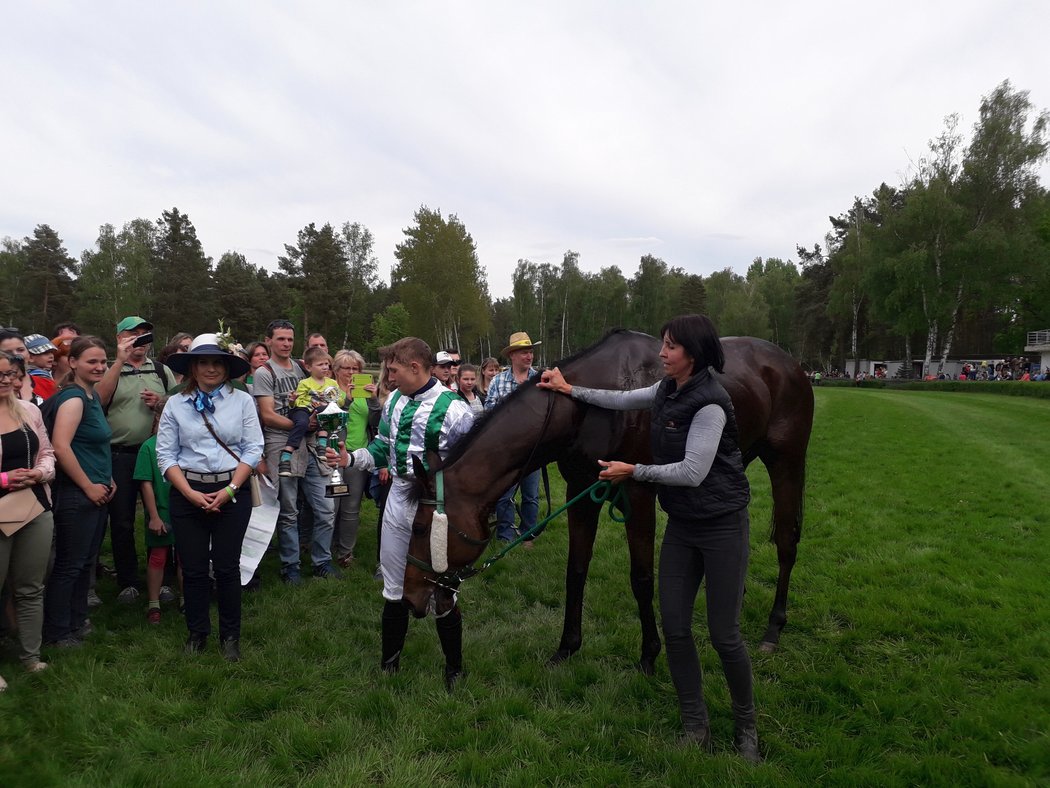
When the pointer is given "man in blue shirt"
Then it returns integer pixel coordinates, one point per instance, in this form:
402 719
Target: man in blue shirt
520 352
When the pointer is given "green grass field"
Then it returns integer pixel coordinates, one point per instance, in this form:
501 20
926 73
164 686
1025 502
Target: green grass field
916 651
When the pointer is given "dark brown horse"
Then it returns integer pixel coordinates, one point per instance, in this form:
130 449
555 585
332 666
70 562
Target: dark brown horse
774 410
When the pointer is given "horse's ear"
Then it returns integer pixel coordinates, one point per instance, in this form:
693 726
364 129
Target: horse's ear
419 470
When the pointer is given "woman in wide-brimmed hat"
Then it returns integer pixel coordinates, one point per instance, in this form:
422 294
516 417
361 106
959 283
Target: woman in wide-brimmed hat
208 442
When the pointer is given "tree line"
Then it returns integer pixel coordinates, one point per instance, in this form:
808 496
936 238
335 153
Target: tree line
954 260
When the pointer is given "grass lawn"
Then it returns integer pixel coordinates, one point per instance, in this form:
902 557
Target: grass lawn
916 651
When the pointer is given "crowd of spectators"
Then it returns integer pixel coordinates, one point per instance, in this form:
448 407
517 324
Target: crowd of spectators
79 456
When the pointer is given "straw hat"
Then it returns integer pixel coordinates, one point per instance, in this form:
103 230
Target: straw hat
519 340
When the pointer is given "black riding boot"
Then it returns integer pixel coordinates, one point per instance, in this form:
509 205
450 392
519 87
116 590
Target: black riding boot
395 628
745 737
450 633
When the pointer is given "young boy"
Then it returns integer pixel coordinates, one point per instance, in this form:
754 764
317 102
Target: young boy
41 359
312 395
159 536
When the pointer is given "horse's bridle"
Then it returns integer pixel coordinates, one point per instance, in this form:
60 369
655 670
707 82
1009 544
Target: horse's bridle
452 578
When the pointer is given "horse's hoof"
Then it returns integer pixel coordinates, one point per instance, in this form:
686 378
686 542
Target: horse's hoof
646 666
558 657
767 647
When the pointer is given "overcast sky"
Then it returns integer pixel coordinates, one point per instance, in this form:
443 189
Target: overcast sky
705 134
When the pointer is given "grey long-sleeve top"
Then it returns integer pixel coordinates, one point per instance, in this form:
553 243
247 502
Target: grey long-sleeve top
701 444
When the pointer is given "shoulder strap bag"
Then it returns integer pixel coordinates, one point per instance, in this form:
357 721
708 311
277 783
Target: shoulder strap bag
253 480
18 507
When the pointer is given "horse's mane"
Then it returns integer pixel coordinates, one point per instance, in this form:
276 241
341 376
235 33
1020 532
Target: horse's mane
482 421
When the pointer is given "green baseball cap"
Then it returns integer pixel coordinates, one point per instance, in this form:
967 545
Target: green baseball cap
133 322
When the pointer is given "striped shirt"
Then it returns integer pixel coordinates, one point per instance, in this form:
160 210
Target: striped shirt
433 418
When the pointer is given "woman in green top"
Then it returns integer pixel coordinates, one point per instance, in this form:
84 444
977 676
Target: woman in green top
83 486
361 413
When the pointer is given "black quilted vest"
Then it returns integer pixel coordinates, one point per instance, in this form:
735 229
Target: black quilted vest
725 489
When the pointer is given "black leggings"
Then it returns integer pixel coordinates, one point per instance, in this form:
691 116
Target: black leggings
718 549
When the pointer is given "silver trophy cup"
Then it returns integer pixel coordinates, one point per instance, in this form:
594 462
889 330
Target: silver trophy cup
332 419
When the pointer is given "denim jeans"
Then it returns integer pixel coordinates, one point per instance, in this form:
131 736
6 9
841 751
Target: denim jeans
530 507
79 527
313 484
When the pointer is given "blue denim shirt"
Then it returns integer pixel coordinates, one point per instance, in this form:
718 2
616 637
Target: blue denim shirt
184 440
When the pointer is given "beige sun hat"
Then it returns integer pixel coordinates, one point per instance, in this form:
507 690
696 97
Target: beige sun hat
519 340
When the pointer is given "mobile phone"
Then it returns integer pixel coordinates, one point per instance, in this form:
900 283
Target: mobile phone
142 341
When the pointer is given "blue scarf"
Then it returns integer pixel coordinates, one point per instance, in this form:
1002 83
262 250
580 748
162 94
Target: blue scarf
203 402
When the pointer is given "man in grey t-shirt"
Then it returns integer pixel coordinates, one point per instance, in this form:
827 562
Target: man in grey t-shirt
274 383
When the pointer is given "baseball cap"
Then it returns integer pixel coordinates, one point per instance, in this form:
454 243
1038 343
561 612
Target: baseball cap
442 358
37 344
133 322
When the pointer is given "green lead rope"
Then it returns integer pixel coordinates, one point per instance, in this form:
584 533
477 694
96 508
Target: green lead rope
601 492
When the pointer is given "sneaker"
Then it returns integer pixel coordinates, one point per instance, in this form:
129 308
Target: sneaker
153 615
94 600
35 666
85 629
67 642
3 684
166 594
291 578
347 561
284 468
128 595
327 572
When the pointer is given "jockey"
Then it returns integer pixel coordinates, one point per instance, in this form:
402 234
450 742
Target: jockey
420 415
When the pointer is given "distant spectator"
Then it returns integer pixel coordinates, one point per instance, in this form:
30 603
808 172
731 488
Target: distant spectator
362 417
27 462
316 340
11 341
258 354
442 368
41 359
83 488
66 330
466 380
489 370
132 390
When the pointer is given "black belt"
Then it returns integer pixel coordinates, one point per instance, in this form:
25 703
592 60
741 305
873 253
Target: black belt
125 448
208 478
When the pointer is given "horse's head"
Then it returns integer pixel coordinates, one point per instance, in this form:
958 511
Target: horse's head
442 543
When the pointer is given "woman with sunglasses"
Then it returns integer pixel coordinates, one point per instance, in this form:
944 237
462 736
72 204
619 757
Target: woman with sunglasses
27 462
83 487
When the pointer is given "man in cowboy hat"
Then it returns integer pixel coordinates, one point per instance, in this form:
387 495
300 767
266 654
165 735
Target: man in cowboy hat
520 352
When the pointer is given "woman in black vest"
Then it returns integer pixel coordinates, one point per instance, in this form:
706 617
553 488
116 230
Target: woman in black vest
700 479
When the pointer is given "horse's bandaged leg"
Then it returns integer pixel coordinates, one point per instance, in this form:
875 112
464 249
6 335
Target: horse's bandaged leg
439 542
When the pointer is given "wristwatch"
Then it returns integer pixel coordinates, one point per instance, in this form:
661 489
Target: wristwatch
232 486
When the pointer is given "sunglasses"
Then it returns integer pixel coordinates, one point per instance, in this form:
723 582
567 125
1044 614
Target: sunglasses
12 329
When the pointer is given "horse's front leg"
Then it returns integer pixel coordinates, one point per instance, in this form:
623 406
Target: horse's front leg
641 538
583 526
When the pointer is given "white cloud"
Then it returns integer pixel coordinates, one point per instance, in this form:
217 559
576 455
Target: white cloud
704 135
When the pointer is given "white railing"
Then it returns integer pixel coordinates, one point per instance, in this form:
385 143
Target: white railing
1038 337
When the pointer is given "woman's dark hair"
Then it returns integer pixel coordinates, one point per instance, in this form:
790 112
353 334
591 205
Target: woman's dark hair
699 339
78 347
